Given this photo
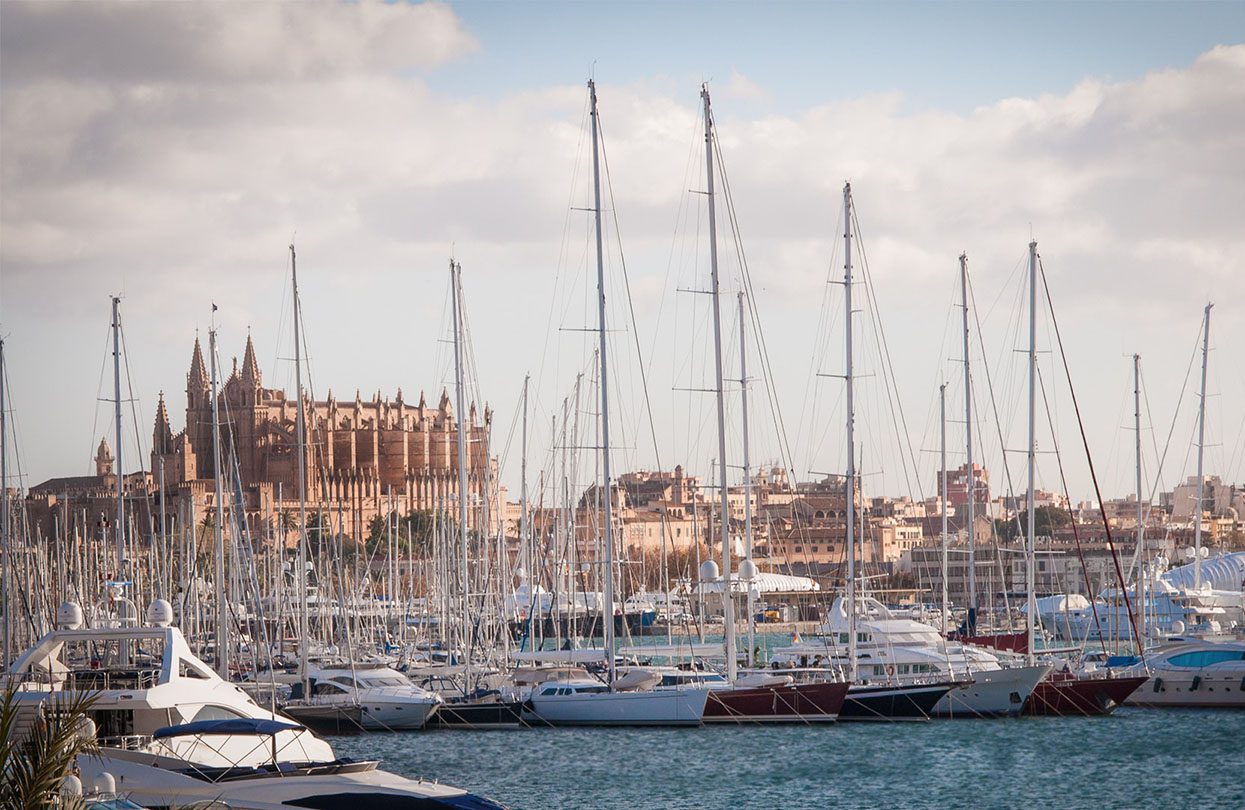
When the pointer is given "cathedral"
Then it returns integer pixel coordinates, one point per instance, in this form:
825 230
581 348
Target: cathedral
364 458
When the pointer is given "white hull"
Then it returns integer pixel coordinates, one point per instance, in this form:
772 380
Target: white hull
992 693
1176 690
681 707
151 786
397 716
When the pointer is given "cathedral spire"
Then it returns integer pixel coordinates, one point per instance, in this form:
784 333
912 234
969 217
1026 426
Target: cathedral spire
250 368
197 379
162 438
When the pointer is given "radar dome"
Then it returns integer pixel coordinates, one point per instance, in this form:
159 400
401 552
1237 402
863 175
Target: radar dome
71 786
709 571
160 613
69 616
105 783
747 570
85 729
1177 627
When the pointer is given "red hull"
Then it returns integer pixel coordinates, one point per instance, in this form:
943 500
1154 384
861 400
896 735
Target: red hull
796 703
1007 642
1064 695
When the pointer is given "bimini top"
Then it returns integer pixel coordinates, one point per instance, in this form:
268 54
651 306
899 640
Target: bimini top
234 725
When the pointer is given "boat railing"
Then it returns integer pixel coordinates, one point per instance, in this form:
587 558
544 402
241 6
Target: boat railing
126 742
101 680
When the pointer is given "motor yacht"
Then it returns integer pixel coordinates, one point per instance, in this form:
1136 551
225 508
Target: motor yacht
894 652
363 697
1190 672
172 732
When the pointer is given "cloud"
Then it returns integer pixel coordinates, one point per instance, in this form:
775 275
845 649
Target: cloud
172 148
227 43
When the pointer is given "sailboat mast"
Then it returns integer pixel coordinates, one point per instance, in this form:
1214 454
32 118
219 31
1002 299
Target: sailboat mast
455 294
525 540
1141 529
1201 445
1031 549
607 614
970 624
850 477
218 529
304 620
942 479
119 529
724 516
743 387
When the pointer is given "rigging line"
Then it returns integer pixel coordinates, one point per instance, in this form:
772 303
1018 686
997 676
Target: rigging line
754 313
99 389
134 413
635 327
1076 537
1115 559
1184 387
561 265
998 423
889 379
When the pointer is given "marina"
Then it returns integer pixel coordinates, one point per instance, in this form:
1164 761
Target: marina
790 504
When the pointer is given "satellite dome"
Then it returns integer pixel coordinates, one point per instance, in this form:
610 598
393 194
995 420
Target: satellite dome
71 786
160 613
105 783
69 616
747 570
709 571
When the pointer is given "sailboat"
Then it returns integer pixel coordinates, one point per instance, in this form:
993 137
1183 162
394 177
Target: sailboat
1059 693
468 709
587 702
759 696
867 701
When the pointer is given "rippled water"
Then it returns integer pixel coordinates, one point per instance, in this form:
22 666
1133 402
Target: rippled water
1134 758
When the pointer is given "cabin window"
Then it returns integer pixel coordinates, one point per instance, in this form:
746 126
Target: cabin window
215 713
1204 658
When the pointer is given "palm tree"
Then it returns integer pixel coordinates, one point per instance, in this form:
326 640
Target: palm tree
33 765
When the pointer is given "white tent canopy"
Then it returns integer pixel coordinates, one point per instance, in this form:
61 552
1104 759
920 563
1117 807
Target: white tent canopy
764 582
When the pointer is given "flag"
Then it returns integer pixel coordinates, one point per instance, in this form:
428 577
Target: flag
214 307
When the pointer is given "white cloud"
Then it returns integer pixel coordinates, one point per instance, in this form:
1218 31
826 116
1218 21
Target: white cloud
173 148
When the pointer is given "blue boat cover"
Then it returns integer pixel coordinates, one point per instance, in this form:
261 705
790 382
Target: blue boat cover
235 725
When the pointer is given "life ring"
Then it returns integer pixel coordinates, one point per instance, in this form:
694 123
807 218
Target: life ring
890 669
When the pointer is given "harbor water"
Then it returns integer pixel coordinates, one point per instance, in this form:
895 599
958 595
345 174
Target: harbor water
1134 758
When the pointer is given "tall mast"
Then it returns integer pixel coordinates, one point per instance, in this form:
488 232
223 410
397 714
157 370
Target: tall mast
970 624
942 480
119 529
743 387
724 516
1032 544
4 518
304 620
607 615
850 477
1201 445
456 296
218 530
1141 529
525 541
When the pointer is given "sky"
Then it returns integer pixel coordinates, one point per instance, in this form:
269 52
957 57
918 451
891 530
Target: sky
169 152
